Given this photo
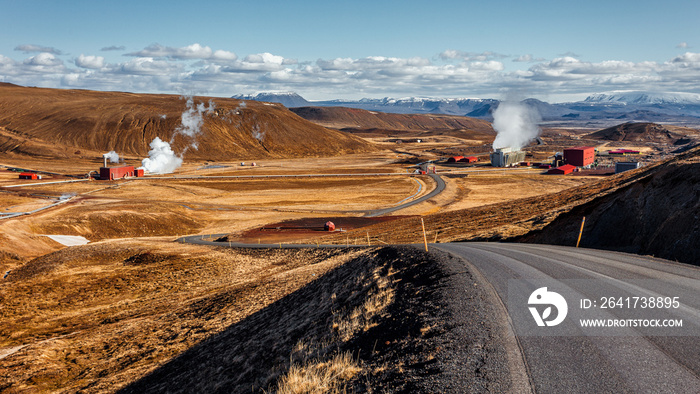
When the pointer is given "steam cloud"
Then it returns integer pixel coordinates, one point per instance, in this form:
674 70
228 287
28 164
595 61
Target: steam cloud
112 156
515 124
161 158
257 134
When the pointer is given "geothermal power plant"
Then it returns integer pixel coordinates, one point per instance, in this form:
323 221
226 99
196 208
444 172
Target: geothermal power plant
506 157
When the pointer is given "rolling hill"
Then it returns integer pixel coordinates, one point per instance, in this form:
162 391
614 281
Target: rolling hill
636 132
359 120
59 123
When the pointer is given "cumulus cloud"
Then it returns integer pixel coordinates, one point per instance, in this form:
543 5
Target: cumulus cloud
147 66
43 59
451 73
92 62
31 48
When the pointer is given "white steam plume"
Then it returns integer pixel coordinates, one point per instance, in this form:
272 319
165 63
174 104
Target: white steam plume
515 124
192 120
112 156
257 134
161 158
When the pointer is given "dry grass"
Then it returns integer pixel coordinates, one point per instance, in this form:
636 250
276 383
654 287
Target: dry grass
361 318
131 306
318 377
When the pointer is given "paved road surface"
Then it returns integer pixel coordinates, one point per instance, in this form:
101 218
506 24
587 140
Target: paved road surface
439 187
595 359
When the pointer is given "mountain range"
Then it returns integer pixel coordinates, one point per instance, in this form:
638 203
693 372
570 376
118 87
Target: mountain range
596 109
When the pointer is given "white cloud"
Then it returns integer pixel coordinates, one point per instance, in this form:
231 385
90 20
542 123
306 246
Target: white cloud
682 45
528 58
43 59
194 51
687 58
114 48
452 54
198 68
147 66
93 62
264 58
31 48
224 55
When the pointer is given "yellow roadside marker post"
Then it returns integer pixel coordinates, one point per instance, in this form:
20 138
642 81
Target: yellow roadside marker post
580 233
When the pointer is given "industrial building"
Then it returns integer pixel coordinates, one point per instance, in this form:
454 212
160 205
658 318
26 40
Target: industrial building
623 152
112 173
506 157
623 166
562 170
579 156
29 175
455 159
470 159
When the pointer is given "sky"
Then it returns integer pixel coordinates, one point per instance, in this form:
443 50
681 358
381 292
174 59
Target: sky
554 51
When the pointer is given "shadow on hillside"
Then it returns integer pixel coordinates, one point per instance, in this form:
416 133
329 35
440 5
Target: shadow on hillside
253 353
655 216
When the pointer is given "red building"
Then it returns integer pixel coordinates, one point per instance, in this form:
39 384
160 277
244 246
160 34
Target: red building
455 159
28 175
139 172
112 173
623 152
562 170
470 159
580 156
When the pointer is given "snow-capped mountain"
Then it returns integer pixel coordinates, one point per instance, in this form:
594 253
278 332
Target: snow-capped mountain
413 105
288 99
597 108
644 98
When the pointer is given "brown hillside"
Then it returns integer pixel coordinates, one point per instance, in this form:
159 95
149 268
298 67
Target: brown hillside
655 216
351 118
53 122
636 132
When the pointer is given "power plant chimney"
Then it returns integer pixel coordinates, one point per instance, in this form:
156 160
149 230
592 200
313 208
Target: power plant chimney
105 158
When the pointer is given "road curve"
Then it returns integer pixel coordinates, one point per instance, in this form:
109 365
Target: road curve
439 187
571 358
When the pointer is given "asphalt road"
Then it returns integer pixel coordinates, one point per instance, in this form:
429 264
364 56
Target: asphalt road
571 358
439 187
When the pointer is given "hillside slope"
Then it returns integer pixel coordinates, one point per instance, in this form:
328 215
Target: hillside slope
657 216
636 132
70 120
359 119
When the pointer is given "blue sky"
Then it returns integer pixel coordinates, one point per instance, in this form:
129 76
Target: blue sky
555 50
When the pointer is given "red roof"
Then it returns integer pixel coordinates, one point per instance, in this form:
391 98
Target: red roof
580 148
623 151
565 169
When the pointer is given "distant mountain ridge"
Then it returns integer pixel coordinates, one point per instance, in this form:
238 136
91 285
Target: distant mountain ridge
599 108
288 99
649 98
